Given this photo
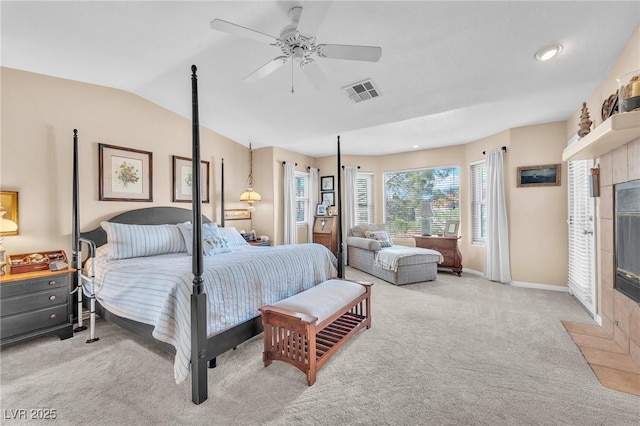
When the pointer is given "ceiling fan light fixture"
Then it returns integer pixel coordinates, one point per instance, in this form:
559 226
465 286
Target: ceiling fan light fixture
548 52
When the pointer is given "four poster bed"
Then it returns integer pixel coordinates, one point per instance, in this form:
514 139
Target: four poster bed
194 306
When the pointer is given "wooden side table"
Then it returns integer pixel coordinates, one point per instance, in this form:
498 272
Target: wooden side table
35 304
448 246
325 232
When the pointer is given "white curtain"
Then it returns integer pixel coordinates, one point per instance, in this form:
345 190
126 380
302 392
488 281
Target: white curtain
350 202
313 200
496 258
290 225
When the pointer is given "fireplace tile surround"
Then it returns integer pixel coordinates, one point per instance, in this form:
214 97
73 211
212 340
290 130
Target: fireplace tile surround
620 315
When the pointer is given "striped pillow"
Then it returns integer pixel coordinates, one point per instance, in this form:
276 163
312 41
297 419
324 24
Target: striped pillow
126 241
233 237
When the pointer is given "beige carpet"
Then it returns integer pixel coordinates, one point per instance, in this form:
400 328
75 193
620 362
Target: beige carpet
456 351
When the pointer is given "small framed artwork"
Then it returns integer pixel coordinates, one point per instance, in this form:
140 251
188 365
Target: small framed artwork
545 175
321 210
326 183
125 174
183 179
8 213
328 198
451 228
236 214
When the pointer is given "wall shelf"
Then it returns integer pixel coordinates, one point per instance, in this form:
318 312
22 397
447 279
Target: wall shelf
614 132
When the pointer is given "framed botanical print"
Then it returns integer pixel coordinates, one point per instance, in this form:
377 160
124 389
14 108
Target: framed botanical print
326 183
183 179
125 174
328 198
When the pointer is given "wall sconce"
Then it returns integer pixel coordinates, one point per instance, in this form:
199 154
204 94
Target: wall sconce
426 213
594 182
250 196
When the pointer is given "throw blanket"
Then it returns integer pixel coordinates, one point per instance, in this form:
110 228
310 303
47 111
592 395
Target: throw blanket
388 257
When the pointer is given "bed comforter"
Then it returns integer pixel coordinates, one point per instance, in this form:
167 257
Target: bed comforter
156 290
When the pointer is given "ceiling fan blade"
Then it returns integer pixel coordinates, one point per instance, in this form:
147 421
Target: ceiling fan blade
228 27
267 69
353 53
313 13
315 75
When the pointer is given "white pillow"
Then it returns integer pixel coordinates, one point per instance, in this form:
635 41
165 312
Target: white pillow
381 237
233 237
212 241
126 241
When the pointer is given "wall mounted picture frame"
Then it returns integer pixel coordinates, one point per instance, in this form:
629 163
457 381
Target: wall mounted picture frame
237 214
451 228
329 197
326 183
8 212
125 174
321 210
543 175
182 179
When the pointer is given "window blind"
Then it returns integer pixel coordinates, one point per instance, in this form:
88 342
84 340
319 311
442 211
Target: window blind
581 234
364 194
302 197
404 192
478 202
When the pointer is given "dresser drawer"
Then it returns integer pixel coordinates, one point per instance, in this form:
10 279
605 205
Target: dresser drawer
31 301
33 285
21 323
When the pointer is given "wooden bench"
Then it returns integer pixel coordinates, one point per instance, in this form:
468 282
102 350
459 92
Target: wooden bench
306 329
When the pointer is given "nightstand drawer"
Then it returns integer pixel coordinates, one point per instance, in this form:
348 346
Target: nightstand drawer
21 323
33 285
32 301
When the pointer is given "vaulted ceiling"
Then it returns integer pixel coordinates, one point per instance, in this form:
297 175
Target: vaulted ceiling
450 72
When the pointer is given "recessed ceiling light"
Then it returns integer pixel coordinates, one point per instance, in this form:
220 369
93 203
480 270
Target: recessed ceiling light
548 52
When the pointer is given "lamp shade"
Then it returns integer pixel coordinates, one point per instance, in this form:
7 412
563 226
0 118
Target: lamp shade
249 195
426 210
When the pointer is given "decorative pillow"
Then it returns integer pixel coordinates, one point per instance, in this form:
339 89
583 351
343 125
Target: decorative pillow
234 238
360 230
126 241
212 241
381 237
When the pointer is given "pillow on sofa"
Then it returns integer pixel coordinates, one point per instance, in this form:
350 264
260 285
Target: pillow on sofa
381 237
360 230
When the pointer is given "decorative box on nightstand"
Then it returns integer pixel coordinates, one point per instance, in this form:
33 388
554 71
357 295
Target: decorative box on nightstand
260 243
34 304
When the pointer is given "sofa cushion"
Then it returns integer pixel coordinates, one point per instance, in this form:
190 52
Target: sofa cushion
359 230
381 237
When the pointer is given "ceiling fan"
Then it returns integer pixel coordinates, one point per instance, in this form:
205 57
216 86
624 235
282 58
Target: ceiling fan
297 41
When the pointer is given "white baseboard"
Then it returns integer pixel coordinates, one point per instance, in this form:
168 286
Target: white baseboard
563 289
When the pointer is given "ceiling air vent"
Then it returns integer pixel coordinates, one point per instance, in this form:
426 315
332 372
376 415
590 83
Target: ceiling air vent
362 91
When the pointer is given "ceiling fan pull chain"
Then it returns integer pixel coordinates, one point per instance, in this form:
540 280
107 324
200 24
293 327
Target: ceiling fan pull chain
292 77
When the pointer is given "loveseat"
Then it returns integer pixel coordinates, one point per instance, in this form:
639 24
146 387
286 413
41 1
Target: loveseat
369 251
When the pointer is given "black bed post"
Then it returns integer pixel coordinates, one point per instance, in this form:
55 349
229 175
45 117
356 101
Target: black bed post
339 194
222 193
75 235
199 388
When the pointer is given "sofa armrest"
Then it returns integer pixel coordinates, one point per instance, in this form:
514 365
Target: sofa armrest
363 243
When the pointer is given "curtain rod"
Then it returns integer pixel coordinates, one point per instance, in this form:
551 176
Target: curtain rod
284 162
356 166
504 148
309 168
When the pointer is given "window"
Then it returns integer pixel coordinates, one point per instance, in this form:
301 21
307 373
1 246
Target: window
404 192
302 197
478 202
364 194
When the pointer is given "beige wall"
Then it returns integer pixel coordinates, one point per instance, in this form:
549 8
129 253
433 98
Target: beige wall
38 117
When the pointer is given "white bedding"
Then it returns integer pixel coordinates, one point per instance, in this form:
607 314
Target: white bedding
156 290
388 257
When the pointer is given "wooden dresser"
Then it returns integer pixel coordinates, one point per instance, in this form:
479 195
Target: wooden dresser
35 304
448 246
325 232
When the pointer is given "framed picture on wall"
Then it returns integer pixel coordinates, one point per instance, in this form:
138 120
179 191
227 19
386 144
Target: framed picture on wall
125 174
329 197
545 175
326 183
237 214
183 179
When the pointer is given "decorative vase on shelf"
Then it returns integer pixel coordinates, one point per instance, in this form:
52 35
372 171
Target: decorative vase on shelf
629 92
